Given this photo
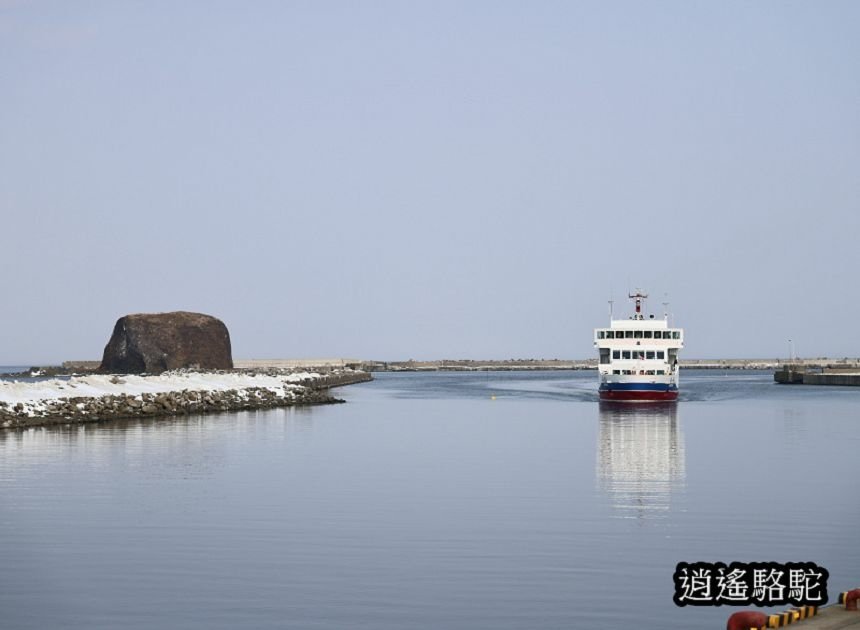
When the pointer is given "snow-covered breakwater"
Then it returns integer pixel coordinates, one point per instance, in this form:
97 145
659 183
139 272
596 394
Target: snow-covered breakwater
100 397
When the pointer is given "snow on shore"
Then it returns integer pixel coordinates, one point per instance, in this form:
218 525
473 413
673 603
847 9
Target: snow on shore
95 386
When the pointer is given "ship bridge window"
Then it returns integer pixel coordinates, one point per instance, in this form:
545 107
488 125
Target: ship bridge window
676 334
628 334
600 334
649 354
609 334
667 334
637 334
616 371
647 334
616 354
638 354
625 354
661 354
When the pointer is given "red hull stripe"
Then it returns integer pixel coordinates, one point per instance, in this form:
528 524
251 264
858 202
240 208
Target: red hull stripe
634 395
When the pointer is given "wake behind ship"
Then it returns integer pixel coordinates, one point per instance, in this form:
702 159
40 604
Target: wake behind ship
638 357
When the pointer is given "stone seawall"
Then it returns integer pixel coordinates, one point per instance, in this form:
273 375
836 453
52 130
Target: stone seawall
553 364
849 380
805 374
80 409
338 379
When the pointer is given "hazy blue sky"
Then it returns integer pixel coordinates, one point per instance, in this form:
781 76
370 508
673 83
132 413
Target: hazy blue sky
399 180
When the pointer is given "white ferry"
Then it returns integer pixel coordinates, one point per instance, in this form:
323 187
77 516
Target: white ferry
638 357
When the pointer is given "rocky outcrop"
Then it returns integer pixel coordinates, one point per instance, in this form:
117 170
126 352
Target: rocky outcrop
156 342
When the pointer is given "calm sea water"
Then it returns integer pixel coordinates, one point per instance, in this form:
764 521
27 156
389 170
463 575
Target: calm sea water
438 500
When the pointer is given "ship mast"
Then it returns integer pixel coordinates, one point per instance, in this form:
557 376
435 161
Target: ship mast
638 296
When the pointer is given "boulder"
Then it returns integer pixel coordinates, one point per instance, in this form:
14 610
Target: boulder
155 342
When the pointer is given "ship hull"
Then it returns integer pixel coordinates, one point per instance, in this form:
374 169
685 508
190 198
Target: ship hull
638 392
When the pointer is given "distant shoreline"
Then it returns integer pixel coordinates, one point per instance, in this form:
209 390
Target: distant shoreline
70 368
591 364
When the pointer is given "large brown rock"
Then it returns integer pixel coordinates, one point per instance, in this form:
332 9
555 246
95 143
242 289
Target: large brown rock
155 342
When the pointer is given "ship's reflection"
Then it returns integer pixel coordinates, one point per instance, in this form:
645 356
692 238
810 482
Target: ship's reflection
640 459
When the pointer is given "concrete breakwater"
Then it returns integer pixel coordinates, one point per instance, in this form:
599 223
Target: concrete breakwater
469 365
115 397
803 374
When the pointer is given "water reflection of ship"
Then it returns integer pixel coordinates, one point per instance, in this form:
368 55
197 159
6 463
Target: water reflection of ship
640 460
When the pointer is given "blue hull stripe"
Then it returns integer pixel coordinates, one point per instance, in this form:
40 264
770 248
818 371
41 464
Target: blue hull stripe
637 387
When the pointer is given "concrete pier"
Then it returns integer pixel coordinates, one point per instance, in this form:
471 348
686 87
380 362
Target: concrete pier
831 379
800 374
831 618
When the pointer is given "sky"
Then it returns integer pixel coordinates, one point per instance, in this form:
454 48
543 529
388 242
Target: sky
430 180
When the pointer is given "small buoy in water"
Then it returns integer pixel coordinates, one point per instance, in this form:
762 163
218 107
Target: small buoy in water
493 397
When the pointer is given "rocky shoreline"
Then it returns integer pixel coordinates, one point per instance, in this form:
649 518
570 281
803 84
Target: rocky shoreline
24 404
